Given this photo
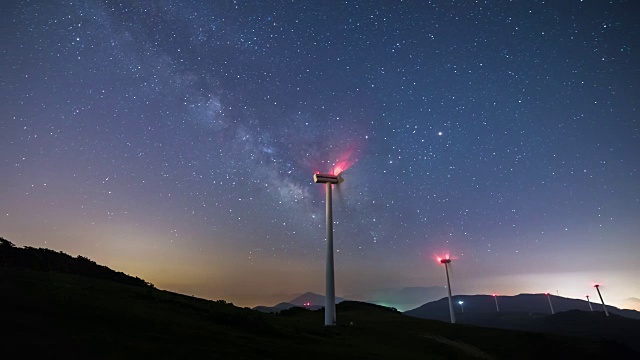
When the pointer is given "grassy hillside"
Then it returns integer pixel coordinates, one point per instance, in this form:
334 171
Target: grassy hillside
59 315
48 260
55 306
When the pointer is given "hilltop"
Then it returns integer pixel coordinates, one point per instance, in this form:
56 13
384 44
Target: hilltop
43 259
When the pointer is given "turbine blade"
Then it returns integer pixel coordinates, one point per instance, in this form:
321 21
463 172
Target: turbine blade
339 196
451 271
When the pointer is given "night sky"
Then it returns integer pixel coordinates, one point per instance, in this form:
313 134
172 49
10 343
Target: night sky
177 140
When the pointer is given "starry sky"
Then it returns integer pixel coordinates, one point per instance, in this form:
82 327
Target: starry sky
177 140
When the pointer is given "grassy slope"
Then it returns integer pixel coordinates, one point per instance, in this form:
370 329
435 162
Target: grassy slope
67 316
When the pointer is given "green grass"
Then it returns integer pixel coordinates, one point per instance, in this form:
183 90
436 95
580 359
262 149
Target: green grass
55 315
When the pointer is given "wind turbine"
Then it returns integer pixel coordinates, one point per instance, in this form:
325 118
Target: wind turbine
550 305
446 261
461 305
589 301
330 288
597 286
495 297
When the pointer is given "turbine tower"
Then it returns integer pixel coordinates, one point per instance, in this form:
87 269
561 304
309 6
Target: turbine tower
589 301
330 287
446 263
461 306
495 297
597 286
550 304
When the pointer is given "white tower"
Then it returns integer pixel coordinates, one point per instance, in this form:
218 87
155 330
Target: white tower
330 287
452 314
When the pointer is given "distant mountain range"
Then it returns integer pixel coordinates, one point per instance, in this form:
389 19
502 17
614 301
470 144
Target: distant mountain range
307 300
275 308
402 299
523 303
311 299
631 303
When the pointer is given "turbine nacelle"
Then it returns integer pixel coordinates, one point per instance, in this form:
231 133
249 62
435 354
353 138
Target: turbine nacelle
327 178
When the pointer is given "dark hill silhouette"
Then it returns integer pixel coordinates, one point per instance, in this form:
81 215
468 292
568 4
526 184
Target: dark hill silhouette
523 303
531 312
308 300
56 261
52 314
276 308
590 324
348 305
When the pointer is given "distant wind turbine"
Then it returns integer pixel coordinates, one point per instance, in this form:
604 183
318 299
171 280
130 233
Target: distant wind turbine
597 286
550 304
446 261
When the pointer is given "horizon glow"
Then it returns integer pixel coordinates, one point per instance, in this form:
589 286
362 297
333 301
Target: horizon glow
175 143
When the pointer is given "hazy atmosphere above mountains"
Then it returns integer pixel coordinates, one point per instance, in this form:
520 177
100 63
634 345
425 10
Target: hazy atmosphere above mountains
176 141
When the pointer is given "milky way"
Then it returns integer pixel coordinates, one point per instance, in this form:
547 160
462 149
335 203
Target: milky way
177 140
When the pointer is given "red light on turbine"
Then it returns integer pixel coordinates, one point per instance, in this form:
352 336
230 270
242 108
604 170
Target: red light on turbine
444 259
494 295
344 162
340 167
